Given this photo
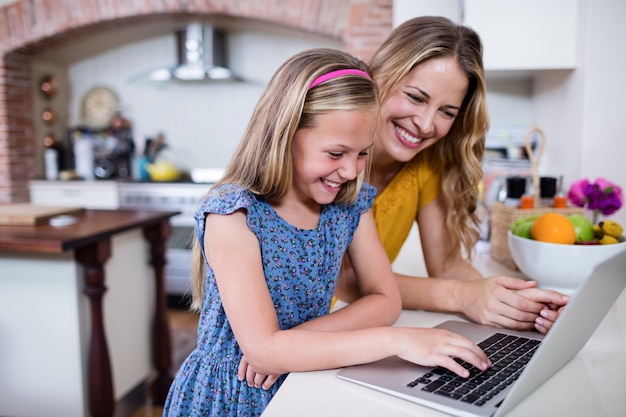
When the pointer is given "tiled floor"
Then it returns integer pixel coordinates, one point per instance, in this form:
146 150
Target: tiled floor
179 318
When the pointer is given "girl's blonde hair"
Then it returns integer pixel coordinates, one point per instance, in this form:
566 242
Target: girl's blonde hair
262 162
460 152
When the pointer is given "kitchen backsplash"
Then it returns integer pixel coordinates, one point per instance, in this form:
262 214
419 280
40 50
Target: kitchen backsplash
202 122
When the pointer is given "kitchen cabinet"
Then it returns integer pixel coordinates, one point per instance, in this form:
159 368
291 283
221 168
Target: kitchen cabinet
82 314
517 35
88 194
525 34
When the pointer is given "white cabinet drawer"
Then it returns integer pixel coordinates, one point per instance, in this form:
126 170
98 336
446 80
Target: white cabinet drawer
87 194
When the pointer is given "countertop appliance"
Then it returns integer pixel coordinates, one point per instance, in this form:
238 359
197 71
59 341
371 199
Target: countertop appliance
102 153
171 196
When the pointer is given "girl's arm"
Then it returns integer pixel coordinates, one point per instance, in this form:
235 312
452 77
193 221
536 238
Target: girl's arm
234 254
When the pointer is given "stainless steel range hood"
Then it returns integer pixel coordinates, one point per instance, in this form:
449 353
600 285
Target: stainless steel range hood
202 56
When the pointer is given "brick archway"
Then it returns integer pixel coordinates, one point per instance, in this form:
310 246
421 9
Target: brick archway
28 28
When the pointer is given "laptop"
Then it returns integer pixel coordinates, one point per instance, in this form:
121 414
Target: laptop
445 391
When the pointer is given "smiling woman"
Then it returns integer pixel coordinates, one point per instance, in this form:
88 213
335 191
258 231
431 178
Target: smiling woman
427 169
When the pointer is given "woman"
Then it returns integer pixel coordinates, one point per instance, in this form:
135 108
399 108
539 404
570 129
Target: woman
427 167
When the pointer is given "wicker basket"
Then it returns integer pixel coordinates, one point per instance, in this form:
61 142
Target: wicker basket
501 218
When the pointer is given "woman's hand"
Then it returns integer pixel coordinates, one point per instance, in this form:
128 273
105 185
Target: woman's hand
510 303
554 303
546 318
253 378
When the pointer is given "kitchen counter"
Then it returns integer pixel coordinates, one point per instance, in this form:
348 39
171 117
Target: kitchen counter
68 295
593 383
93 226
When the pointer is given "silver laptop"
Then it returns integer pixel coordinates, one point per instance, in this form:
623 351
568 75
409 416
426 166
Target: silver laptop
479 395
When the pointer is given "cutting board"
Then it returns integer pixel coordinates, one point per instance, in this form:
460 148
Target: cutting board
25 214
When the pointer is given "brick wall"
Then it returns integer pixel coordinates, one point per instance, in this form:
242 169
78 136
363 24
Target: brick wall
27 28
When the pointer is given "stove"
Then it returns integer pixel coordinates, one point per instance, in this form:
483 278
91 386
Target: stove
169 196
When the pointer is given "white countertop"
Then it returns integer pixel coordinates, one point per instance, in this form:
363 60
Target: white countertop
591 384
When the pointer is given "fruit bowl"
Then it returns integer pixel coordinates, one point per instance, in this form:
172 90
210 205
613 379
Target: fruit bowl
557 266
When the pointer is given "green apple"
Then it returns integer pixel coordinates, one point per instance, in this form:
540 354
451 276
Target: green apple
583 227
521 227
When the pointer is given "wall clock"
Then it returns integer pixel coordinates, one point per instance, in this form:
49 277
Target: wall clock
99 105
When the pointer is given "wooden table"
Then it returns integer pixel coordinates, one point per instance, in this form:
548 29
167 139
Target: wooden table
90 240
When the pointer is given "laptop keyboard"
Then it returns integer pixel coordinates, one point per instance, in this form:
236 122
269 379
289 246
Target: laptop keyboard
508 354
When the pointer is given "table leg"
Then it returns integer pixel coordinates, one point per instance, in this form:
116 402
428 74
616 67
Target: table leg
161 339
101 399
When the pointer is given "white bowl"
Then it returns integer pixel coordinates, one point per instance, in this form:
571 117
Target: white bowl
555 266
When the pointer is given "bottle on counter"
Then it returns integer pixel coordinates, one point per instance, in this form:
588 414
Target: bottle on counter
51 162
560 199
527 201
54 156
83 156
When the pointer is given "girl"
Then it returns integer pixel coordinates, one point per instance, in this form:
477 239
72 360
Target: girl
271 237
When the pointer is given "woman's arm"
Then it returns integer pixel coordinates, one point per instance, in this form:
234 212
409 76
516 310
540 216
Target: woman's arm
379 303
501 301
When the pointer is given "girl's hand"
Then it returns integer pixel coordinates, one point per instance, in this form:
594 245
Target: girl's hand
438 347
253 378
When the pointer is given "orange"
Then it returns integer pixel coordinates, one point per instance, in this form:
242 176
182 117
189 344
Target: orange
553 228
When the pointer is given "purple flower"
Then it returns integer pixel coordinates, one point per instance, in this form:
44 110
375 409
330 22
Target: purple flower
602 196
576 193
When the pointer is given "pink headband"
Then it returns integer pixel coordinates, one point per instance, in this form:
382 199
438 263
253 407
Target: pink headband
338 73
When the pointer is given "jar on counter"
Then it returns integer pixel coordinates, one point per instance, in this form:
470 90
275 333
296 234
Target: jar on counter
84 158
51 163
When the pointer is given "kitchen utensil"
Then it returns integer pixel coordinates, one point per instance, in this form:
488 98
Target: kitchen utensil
207 175
163 170
535 158
515 189
548 187
63 220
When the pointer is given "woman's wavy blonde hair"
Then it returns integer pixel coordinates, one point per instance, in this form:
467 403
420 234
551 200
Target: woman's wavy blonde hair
262 162
461 150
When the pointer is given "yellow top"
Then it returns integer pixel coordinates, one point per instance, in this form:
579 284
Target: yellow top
396 207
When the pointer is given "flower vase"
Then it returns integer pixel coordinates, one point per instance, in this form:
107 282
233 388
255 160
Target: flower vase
593 216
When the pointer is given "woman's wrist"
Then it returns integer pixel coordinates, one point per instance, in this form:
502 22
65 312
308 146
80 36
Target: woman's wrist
459 290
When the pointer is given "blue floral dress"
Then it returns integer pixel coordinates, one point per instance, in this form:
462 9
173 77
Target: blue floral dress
301 269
